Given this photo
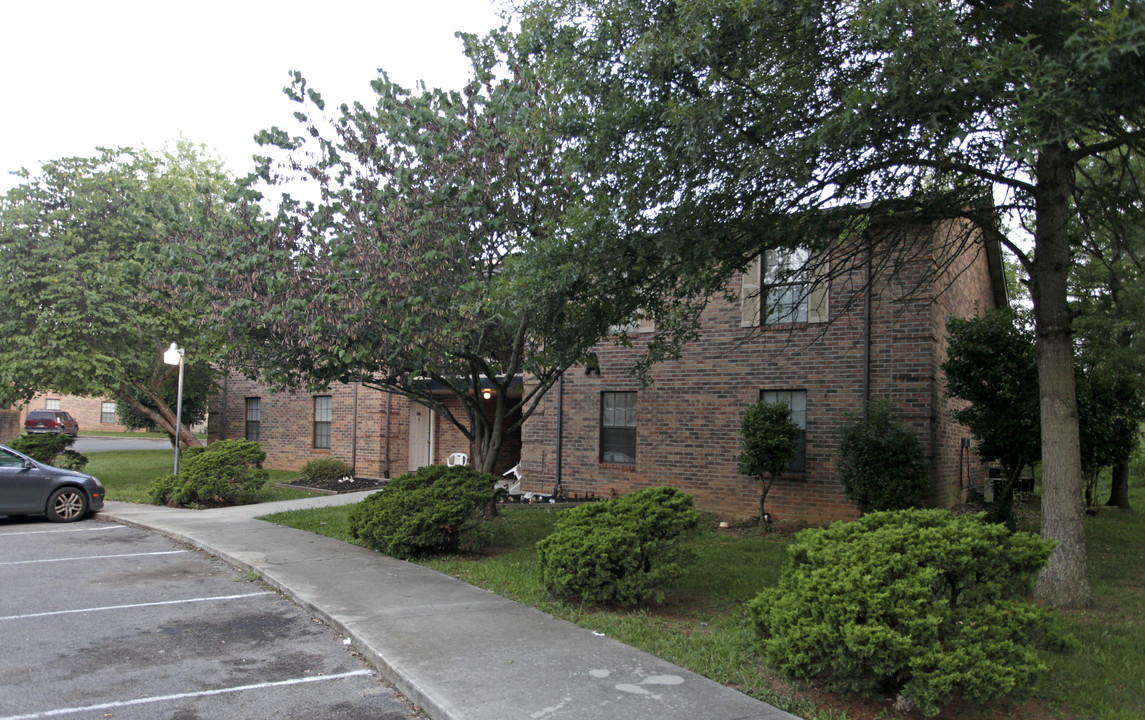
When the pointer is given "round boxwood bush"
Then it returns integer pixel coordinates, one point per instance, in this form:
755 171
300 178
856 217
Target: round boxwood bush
432 510
326 469
920 603
227 472
618 552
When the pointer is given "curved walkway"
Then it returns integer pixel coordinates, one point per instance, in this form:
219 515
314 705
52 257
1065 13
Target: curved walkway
459 652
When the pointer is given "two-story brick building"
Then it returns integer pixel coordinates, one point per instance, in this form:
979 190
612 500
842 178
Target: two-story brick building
604 433
834 345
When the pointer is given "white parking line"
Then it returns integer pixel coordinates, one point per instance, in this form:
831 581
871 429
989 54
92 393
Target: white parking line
135 605
91 557
63 530
183 696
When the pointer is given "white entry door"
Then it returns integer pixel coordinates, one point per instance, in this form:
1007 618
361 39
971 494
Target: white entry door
420 436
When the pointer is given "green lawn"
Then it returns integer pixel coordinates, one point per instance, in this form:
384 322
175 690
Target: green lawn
134 434
127 473
702 626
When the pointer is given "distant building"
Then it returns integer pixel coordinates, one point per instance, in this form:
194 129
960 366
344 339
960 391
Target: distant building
379 434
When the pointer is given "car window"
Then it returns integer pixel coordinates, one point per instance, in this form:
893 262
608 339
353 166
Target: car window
40 415
8 459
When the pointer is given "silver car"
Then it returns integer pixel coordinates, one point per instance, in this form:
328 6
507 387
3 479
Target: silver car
28 487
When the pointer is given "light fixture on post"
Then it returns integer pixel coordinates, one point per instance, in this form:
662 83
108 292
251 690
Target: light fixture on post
174 356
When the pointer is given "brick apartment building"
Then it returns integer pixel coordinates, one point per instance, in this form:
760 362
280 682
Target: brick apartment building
92 413
605 434
378 434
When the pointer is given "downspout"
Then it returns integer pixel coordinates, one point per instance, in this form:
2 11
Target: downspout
560 431
354 434
867 332
222 424
386 468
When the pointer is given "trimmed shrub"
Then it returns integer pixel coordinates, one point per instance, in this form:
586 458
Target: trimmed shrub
618 552
770 443
228 472
921 603
432 510
880 460
42 447
326 469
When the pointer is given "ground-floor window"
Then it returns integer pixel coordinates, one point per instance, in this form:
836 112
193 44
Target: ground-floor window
796 401
323 416
618 427
107 412
52 404
253 419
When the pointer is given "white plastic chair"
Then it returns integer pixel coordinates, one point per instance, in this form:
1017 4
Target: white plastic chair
457 459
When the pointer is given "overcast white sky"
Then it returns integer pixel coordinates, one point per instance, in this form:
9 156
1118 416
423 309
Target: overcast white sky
111 73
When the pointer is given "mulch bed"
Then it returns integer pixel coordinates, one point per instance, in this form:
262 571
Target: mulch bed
336 486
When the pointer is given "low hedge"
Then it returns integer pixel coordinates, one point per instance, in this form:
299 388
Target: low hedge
326 469
432 510
618 552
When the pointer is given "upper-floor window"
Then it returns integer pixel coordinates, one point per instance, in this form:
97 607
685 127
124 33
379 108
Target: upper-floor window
253 426
784 286
796 401
323 417
107 412
618 427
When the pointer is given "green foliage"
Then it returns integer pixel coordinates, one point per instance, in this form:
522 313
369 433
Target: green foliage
199 387
325 469
992 364
770 443
42 447
706 132
228 472
125 217
396 277
770 439
918 602
70 460
880 461
432 510
618 552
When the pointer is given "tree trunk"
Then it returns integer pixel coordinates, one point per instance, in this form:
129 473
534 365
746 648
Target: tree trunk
164 419
766 483
1064 582
1119 493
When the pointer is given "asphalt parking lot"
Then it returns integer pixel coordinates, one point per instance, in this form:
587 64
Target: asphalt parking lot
98 620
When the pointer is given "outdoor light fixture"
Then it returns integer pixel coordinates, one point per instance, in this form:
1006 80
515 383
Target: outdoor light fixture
174 356
487 394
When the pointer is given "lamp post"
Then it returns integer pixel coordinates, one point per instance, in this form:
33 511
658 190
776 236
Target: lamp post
174 356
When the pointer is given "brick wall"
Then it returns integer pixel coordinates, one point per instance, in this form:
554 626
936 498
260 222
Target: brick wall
380 447
11 424
688 418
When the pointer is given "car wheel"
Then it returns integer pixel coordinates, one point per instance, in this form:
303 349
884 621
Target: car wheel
67 504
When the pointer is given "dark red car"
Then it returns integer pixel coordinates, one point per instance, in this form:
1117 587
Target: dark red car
51 421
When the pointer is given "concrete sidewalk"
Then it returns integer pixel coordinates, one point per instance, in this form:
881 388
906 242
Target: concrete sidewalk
457 651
